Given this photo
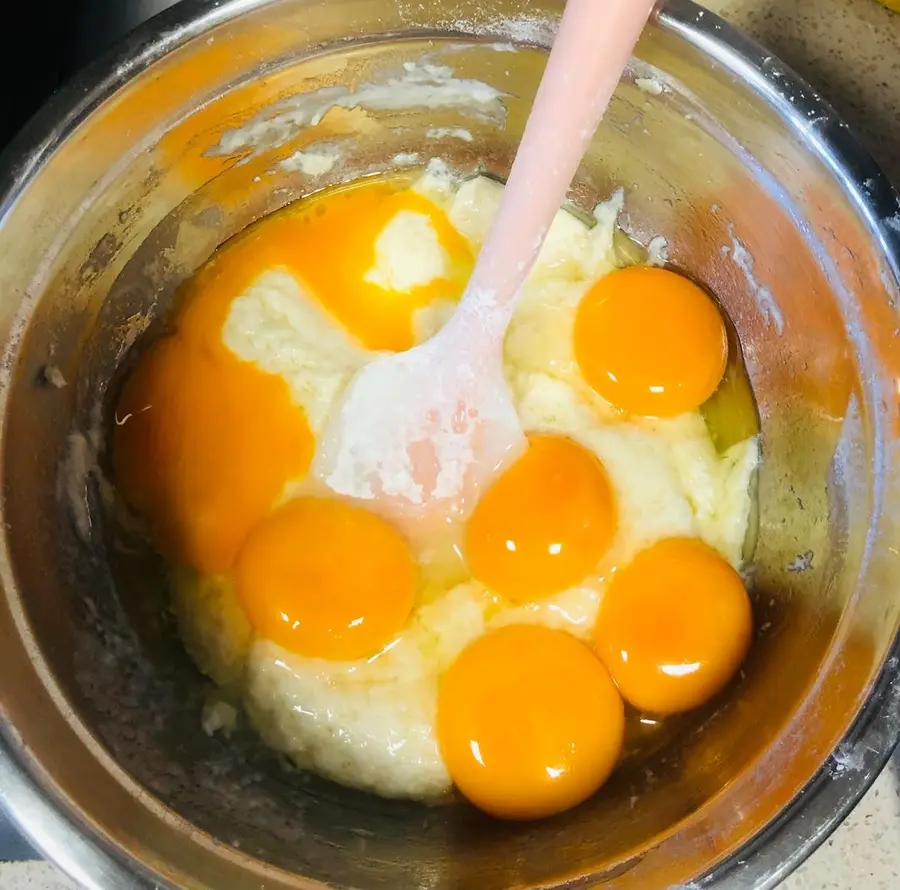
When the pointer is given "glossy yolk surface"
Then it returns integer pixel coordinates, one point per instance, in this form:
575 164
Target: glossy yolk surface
544 524
529 722
674 626
650 342
326 579
204 441
335 249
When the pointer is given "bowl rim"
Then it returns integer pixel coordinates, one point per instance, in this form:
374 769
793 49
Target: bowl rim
53 826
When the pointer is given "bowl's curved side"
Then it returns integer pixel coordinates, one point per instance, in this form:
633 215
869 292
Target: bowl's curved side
807 822
51 826
32 797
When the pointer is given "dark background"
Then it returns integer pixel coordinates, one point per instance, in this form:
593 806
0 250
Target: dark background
36 54
44 42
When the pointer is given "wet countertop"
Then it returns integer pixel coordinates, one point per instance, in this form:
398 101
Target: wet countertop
850 51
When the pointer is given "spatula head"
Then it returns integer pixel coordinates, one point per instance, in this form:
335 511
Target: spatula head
421 433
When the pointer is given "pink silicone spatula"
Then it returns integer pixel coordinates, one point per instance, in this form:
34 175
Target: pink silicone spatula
422 431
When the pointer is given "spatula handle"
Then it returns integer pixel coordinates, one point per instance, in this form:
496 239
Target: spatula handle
592 47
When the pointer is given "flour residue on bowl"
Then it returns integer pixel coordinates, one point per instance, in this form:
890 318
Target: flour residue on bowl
314 161
763 295
449 133
81 474
419 86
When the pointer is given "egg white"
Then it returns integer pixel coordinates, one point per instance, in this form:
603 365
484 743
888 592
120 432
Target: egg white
370 723
276 325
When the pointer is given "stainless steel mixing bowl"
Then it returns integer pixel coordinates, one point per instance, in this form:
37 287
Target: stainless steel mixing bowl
128 180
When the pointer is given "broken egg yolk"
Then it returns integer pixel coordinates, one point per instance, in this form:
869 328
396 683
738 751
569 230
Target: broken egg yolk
337 258
204 442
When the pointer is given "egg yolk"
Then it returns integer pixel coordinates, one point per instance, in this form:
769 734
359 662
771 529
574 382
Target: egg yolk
529 722
674 626
205 441
650 342
544 524
327 579
335 251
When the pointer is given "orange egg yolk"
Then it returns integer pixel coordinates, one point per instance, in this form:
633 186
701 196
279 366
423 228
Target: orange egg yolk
529 722
335 249
674 626
327 579
650 342
204 442
544 524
